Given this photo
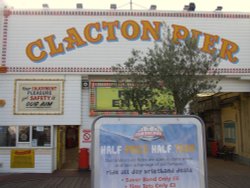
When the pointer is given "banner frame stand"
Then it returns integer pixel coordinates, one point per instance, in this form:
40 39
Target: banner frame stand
95 150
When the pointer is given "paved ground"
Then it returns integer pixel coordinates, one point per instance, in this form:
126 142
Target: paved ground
227 174
221 174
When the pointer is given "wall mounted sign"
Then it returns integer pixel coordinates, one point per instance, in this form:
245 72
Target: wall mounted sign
106 98
86 136
2 103
149 152
22 159
3 69
229 132
71 47
85 84
143 30
38 97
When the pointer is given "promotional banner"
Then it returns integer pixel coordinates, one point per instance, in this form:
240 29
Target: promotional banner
22 159
149 153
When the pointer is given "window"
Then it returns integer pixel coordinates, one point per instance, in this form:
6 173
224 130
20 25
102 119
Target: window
7 136
229 132
24 134
36 136
41 136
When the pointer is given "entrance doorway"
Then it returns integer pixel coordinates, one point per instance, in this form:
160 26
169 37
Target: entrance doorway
68 146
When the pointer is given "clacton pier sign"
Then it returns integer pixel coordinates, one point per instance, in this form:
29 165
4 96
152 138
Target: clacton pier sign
149 152
94 41
131 30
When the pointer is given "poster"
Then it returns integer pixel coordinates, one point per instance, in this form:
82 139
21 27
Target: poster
107 97
150 154
23 133
86 136
22 159
38 97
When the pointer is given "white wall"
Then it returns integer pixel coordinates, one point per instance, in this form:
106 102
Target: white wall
234 85
43 162
86 119
72 104
72 116
1 26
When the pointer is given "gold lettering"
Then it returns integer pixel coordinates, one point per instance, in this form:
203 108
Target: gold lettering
208 44
196 34
88 34
54 50
185 148
179 33
148 28
130 30
30 51
111 29
73 38
228 49
135 30
141 149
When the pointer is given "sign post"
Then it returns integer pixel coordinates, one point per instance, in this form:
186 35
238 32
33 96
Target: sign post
148 152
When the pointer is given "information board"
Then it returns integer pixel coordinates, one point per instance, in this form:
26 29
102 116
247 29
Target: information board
22 158
148 152
38 96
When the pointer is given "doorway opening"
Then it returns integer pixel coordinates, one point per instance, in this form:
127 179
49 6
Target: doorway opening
69 149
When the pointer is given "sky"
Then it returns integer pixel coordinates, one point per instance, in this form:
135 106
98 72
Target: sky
171 5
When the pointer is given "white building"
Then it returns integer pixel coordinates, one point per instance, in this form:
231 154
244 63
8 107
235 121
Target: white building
56 76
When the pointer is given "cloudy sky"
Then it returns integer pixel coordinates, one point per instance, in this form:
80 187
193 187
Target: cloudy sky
201 5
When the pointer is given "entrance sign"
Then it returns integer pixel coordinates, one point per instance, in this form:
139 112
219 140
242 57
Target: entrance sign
148 152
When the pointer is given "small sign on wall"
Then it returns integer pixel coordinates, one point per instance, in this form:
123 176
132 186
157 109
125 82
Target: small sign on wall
43 96
85 84
2 103
22 159
86 135
229 132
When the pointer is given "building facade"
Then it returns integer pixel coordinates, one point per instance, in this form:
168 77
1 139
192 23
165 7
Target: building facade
56 77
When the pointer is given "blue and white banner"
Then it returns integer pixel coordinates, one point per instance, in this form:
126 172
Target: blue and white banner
149 156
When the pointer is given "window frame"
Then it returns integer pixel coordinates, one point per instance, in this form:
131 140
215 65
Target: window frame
29 144
229 132
6 147
51 136
18 129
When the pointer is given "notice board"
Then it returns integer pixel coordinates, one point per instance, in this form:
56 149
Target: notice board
148 152
22 158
